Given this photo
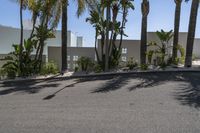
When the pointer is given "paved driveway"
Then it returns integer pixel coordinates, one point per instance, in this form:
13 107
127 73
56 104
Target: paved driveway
145 103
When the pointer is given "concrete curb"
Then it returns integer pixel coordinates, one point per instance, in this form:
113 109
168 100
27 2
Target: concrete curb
105 74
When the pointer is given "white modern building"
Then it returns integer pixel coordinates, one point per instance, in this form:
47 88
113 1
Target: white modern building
76 49
10 36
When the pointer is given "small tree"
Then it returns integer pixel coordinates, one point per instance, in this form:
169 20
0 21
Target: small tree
108 29
160 50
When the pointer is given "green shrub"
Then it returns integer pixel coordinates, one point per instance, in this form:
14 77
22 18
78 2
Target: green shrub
150 56
97 68
85 64
12 65
76 69
181 59
143 66
131 64
8 72
49 68
2 73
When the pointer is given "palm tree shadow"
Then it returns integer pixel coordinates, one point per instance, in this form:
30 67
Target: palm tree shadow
113 84
186 94
54 94
189 93
150 80
29 87
118 82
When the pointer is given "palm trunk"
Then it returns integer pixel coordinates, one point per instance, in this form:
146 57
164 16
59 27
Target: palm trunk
176 28
102 49
191 33
143 43
64 35
95 48
21 36
33 29
107 37
122 27
42 42
40 56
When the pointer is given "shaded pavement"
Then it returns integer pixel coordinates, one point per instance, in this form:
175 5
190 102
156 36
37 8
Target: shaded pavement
157 102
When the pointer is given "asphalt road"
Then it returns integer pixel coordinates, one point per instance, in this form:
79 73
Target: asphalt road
147 103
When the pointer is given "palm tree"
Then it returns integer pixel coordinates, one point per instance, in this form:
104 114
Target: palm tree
64 35
23 4
143 46
81 8
21 34
107 35
176 28
191 32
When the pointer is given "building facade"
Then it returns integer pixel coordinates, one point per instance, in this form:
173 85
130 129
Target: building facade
52 50
73 54
10 36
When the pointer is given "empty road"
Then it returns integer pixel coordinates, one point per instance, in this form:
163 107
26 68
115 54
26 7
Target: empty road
142 103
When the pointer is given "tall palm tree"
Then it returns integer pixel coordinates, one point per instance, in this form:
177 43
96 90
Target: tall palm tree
82 4
107 35
21 34
191 32
64 35
176 28
143 43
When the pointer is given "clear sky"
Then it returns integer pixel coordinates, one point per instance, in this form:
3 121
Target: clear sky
161 17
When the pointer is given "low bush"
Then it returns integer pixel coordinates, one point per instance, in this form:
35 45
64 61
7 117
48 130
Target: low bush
2 73
49 68
143 66
131 64
97 68
85 64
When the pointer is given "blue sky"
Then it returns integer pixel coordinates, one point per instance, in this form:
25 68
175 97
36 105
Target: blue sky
161 16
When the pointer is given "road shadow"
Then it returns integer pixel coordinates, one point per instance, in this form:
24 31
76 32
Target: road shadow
77 81
54 94
113 84
29 87
189 93
145 80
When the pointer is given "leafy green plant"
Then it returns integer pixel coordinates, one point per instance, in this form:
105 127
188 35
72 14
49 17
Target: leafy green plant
144 67
108 30
49 68
11 67
2 73
97 68
150 56
76 69
84 64
160 49
131 64
180 59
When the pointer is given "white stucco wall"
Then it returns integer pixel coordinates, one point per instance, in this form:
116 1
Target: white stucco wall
9 36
